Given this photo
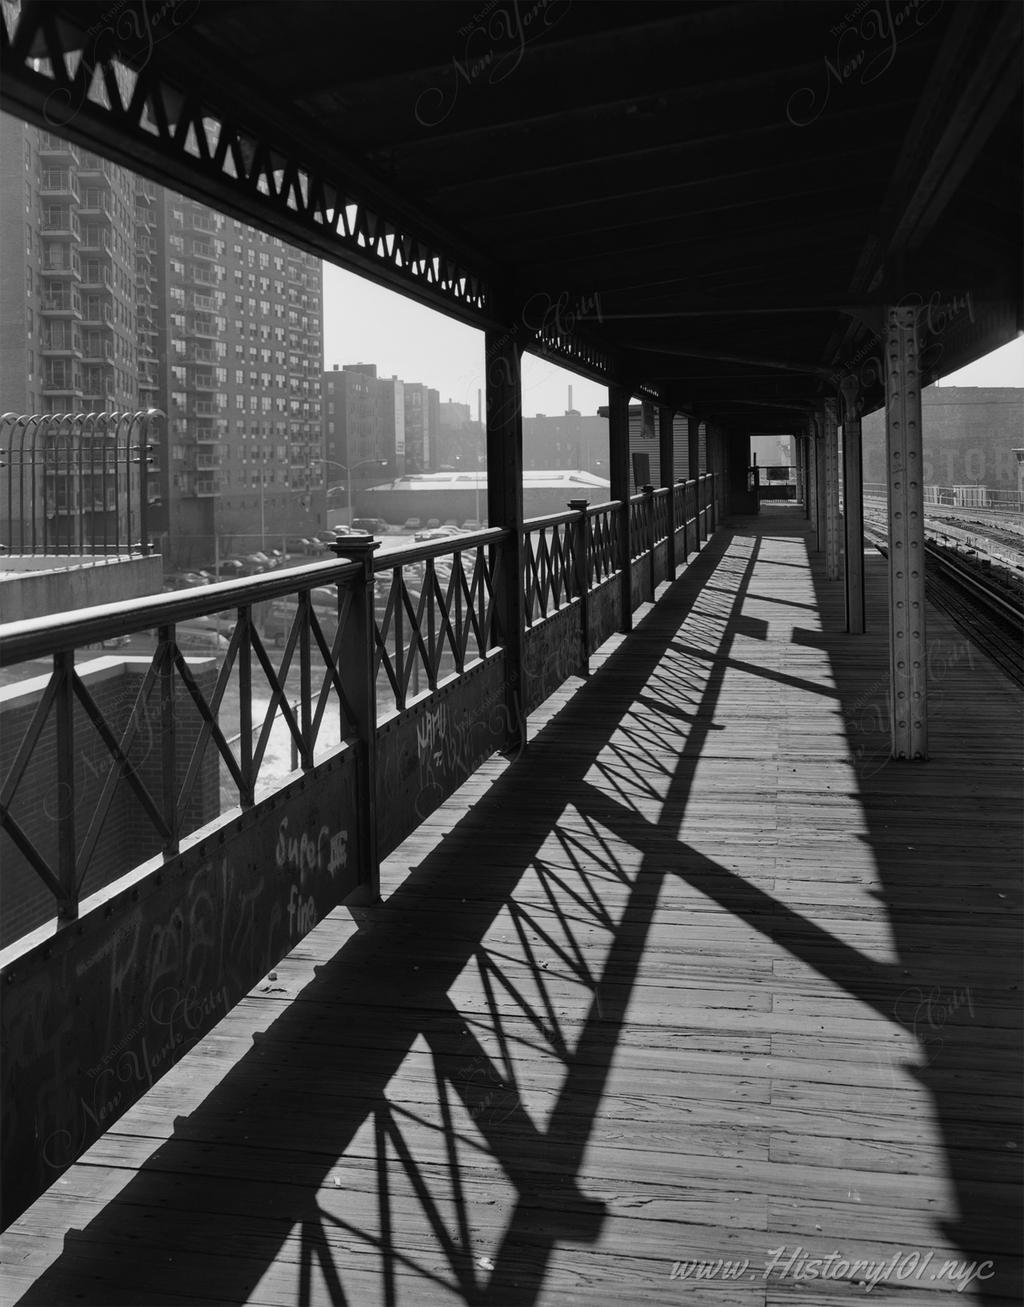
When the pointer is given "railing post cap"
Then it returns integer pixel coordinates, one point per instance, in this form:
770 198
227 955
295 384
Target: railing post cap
578 505
356 546
647 490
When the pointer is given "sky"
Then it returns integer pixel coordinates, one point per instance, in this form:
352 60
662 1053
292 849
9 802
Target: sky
365 323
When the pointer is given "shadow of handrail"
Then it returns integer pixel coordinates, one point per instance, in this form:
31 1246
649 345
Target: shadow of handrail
427 983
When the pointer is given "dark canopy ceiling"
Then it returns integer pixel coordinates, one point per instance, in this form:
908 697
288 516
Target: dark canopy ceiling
711 202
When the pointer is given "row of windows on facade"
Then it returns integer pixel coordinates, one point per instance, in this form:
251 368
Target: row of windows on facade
184 480
218 324
203 219
228 453
61 334
60 291
89 235
219 402
182 295
217 352
216 275
219 377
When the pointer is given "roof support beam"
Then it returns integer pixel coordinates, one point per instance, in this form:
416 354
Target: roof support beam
761 361
966 96
241 161
234 158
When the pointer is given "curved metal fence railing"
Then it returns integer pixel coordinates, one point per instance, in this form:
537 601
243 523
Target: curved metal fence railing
77 483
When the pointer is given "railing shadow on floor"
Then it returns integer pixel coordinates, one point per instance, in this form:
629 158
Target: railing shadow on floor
364 1049
258 1218
946 837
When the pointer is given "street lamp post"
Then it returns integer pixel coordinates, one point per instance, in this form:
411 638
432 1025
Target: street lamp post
367 462
478 463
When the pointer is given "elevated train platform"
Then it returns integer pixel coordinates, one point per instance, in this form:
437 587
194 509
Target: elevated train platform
710 965
700 997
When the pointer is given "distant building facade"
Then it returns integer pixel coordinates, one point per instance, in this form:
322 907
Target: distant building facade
363 427
78 332
422 427
118 295
645 447
969 437
241 358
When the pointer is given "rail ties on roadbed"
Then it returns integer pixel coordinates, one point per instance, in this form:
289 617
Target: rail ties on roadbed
983 601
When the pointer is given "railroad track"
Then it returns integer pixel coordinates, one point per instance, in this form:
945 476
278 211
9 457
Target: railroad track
989 616
1004 529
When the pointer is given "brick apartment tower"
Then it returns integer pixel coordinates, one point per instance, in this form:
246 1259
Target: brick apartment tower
119 295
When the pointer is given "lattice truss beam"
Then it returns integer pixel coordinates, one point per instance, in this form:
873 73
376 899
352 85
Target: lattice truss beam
312 653
108 90
87 86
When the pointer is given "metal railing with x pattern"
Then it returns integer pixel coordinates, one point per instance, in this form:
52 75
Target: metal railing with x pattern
234 712
197 803
550 564
602 541
434 613
272 695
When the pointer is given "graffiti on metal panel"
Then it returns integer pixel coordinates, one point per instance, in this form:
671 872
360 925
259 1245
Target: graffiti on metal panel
452 744
554 656
161 979
448 748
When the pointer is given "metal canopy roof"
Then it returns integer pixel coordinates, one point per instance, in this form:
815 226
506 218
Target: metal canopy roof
708 202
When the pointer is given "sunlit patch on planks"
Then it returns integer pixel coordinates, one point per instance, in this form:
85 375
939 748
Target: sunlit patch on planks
700 976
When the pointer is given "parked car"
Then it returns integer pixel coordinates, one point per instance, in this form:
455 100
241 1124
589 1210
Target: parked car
186 580
300 545
375 526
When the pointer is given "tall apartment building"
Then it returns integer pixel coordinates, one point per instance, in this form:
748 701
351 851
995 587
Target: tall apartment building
460 443
70 335
364 433
77 327
118 295
242 360
422 427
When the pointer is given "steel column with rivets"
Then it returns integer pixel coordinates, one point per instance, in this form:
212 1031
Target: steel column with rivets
802 476
667 462
693 473
505 509
905 485
357 654
817 488
581 577
830 452
618 458
853 505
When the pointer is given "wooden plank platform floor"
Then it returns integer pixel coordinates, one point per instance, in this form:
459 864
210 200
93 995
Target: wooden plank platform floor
701 975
